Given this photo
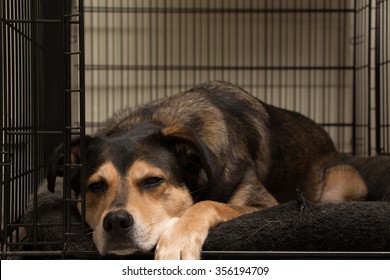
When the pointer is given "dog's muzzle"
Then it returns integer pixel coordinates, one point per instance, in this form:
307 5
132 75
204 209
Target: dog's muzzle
117 234
118 223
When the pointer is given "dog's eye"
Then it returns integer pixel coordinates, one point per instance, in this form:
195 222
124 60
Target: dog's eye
97 187
151 182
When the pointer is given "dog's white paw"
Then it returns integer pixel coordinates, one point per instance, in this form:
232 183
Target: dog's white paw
180 243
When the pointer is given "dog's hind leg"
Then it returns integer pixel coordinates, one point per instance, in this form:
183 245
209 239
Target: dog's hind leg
342 183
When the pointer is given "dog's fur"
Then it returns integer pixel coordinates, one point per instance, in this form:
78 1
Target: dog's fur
162 175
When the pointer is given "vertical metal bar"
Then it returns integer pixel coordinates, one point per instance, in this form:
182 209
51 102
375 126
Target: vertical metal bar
98 61
342 89
91 48
30 96
310 82
186 47
194 42
237 40
2 155
270 53
251 52
166 55
266 54
386 66
378 111
179 52
136 89
354 78
339 93
358 89
157 47
7 112
142 60
113 73
4 170
11 121
82 109
301 72
121 58
294 51
17 116
67 123
35 65
368 77
107 58
286 56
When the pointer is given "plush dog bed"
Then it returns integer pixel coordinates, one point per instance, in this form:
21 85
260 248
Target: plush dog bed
359 227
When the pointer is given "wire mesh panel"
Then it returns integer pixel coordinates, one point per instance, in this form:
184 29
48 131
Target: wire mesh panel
364 95
21 144
36 84
294 54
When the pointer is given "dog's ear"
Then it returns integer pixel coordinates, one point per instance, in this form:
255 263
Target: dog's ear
56 162
200 164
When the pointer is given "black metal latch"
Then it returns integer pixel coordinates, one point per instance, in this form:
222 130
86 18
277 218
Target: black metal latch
6 158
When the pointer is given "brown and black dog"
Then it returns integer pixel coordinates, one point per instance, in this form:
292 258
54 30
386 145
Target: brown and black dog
162 175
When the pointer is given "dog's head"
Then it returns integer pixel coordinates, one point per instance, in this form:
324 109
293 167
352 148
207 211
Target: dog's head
138 182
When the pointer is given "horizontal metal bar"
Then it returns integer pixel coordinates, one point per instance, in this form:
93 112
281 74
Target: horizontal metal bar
72 165
97 124
115 67
33 21
24 243
194 10
73 53
32 132
226 254
72 90
72 15
32 253
299 254
336 124
34 225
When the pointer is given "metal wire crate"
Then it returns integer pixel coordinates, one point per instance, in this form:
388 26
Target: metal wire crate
68 65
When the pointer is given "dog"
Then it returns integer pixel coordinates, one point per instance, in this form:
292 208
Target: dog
161 175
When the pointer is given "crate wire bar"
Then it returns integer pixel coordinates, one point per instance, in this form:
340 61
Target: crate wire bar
382 76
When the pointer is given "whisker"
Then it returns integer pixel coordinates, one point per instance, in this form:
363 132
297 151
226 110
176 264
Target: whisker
198 191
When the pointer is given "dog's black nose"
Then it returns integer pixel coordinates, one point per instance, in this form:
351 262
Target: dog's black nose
117 223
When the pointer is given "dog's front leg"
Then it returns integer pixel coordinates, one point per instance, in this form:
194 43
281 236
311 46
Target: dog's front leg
184 240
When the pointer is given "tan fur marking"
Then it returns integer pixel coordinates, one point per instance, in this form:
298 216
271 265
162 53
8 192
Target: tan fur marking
342 183
253 196
106 172
174 199
141 170
96 205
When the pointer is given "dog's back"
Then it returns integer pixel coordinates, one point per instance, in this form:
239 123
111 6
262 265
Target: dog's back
285 149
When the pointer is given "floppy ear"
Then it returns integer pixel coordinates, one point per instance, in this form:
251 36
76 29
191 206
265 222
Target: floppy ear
200 164
56 163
